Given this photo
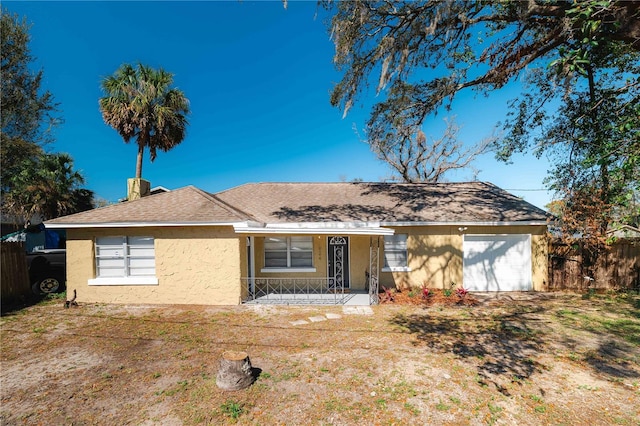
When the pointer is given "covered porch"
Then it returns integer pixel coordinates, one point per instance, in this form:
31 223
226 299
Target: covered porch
300 291
319 265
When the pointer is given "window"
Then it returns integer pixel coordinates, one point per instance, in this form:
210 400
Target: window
288 252
395 252
131 258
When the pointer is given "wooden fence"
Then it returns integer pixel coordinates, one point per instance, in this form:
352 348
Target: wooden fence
617 269
14 275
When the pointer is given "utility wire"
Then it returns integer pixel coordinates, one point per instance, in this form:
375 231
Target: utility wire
513 189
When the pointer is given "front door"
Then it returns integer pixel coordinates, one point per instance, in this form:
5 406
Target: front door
338 262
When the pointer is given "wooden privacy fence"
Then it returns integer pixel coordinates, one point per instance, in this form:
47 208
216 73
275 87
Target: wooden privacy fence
15 277
617 269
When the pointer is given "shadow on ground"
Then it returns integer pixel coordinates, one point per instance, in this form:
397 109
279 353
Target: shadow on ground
506 348
12 307
611 359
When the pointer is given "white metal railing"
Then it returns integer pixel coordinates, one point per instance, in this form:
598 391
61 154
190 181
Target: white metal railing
293 291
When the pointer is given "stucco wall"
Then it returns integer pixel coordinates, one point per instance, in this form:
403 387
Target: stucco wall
319 259
435 255
360 260
194 265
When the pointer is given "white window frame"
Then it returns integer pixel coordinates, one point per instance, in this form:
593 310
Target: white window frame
123 252
289 250
396 243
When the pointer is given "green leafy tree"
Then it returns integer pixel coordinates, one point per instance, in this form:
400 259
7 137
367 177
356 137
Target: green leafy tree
32 181
27 111
583 111
580 59
464 45
140 104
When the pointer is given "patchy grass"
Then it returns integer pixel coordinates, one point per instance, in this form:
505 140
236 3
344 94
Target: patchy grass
557 359
615 315
232 409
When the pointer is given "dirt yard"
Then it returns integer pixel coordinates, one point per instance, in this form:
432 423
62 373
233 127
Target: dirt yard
549 359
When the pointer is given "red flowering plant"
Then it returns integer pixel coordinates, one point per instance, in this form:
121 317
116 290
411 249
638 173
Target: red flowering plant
425 292
462 292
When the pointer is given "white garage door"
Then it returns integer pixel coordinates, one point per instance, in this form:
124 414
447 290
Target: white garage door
497 262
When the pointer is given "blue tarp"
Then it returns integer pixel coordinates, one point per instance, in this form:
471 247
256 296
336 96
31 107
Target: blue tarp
51 239
35 238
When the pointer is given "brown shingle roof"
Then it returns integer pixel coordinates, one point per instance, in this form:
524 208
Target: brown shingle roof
383 202
319 202
185 205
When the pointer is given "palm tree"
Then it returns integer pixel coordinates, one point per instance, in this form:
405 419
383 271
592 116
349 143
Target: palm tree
49 187
57 191
140 104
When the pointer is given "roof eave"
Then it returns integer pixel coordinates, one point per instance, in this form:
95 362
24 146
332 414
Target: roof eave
245 227
132 224
467 223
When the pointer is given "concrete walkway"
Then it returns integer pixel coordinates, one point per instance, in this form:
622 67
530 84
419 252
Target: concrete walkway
358 299
346 310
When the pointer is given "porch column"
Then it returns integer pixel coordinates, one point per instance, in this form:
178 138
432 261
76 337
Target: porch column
374 269
251 266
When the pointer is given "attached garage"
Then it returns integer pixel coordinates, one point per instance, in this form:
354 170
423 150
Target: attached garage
497 262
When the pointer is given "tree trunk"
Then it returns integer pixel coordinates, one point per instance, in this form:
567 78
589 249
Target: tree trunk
235 371
139 161
604 160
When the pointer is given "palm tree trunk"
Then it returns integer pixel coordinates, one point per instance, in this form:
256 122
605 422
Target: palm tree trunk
139 161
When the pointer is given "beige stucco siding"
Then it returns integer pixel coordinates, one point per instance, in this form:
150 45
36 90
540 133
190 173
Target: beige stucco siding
194 265
319 259
434 258
359 260
435 255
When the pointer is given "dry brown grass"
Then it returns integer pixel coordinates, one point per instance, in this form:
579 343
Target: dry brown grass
551 360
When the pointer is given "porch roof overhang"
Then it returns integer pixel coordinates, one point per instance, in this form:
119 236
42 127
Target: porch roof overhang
315 228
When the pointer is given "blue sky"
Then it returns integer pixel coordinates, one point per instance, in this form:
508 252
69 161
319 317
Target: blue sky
258 78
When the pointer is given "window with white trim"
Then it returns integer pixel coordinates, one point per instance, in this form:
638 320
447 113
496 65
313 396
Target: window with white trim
395 252
288 252
125 257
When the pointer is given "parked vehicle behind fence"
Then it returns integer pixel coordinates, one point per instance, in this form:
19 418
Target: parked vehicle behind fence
47 270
